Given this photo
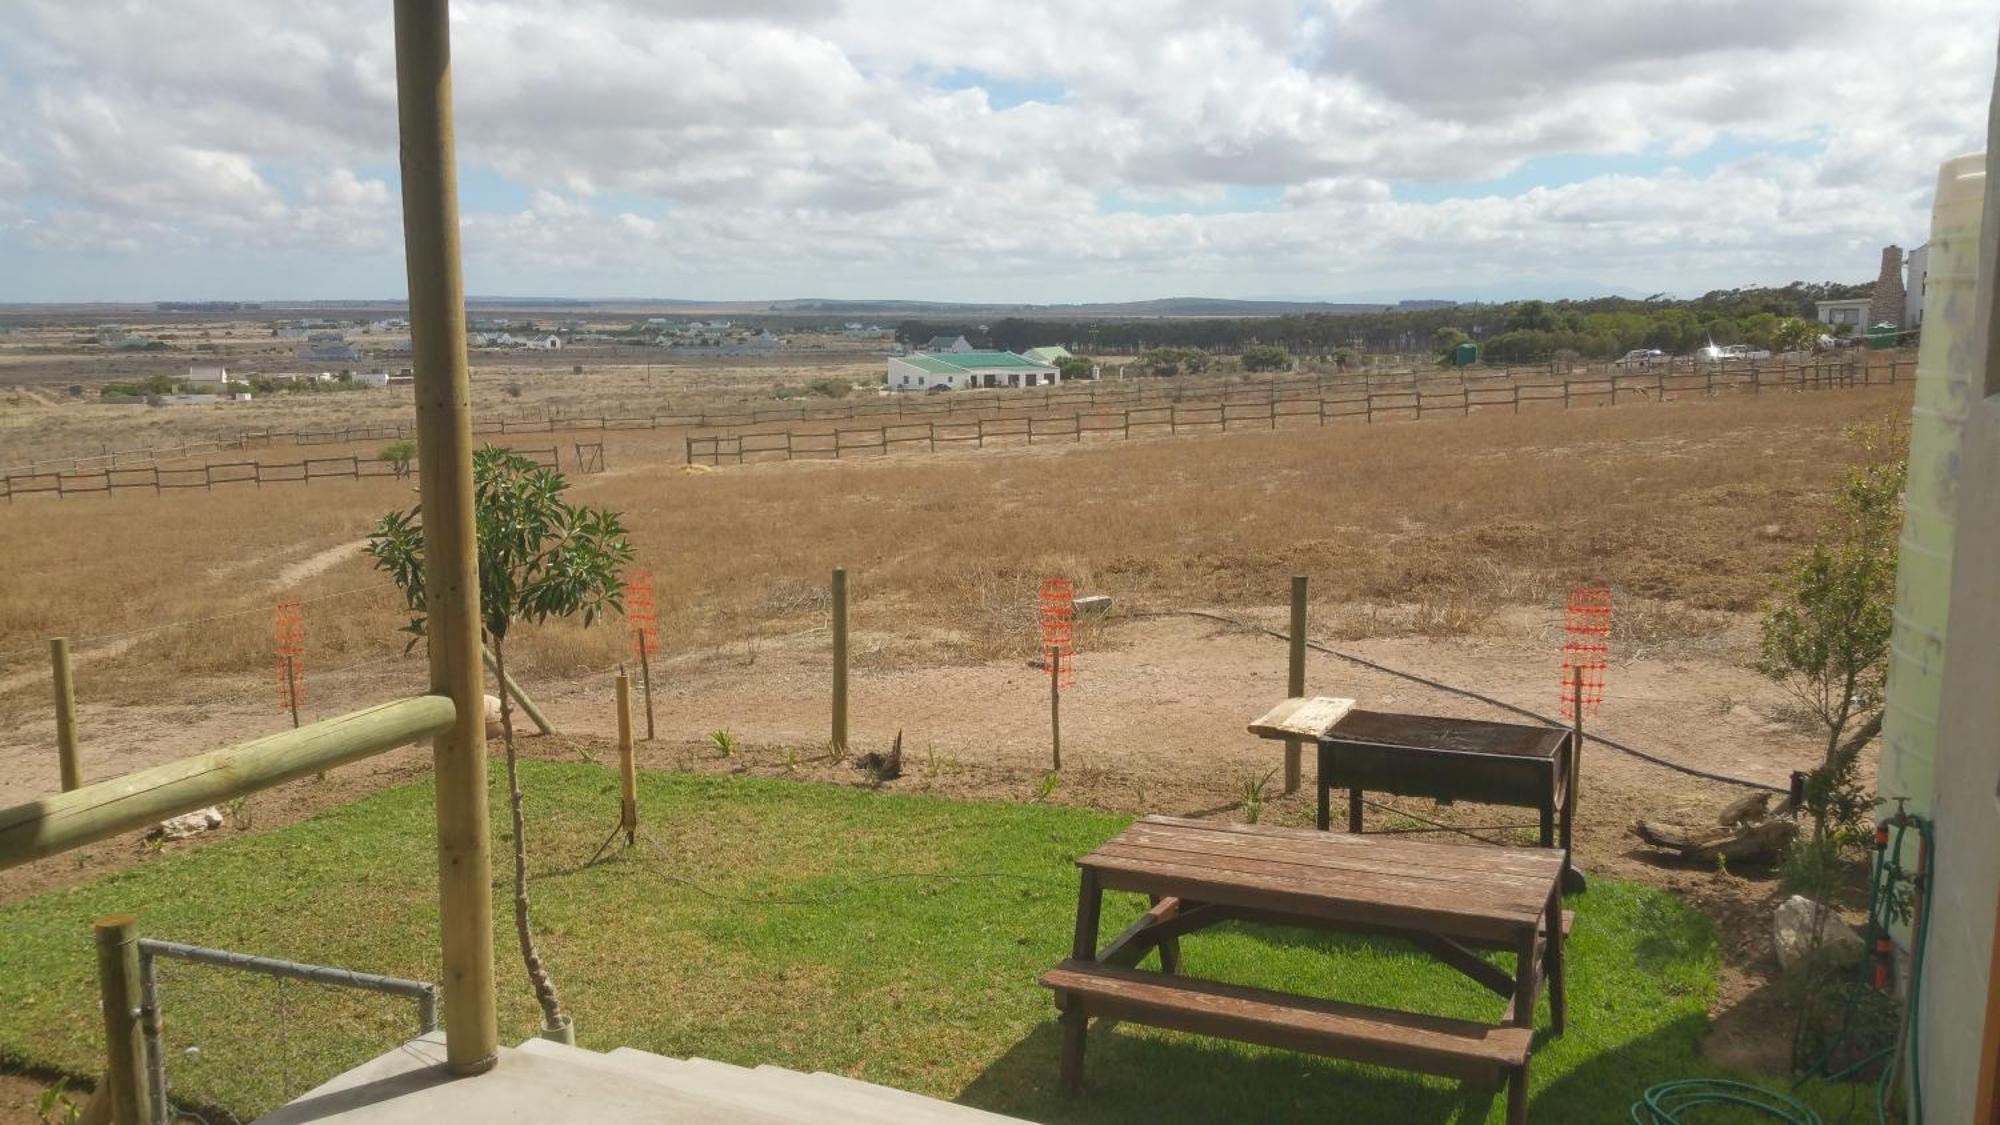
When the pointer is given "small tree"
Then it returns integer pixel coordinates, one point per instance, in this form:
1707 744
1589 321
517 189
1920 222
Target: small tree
1075 368
1826 631
539 557
1266 357
399 455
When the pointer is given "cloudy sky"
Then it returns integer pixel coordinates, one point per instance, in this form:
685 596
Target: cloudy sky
1040 150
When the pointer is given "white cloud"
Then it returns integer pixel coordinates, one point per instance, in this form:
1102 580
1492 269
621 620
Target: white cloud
1039 150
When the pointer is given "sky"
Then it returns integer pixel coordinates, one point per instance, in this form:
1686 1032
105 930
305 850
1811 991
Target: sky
1026 151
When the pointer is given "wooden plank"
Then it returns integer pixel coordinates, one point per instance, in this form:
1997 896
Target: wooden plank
1283 896
1407 1040
1521 861
1331 864
1514 900
1302 717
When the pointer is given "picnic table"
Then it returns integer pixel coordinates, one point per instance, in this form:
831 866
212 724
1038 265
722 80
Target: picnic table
1451 901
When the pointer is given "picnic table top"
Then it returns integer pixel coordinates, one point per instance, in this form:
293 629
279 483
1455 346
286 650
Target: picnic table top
1485 892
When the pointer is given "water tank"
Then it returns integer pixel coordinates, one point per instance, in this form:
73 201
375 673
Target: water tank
1465 355
1883 335
1947 373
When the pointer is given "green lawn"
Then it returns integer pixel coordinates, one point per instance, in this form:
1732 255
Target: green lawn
903 949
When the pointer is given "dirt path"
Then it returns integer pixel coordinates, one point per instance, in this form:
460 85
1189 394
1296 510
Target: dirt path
317 564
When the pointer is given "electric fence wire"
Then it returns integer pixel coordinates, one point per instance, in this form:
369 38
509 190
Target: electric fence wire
1623 748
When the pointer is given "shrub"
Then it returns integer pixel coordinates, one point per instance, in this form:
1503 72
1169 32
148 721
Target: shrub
1266 357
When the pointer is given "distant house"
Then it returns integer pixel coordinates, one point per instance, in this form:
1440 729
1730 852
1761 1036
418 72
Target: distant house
1049 355
938 344
544 343
208 375
1852 312
371 378
329 347
969 370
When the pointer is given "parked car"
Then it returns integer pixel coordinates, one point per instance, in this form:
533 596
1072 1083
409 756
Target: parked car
1732 353
1643 357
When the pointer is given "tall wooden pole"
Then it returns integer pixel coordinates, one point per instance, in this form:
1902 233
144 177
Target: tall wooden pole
1295 676
124 1052
292 689
839 738
443 394
1055 706
628 772
66 750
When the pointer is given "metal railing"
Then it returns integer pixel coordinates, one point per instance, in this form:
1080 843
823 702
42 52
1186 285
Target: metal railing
151 949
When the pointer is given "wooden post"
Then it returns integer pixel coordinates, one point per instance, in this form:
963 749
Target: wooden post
646 682
513 689
838 739
1295 677
443 394
1575 768
292 690
628 773
124 1052
67 757
1055 706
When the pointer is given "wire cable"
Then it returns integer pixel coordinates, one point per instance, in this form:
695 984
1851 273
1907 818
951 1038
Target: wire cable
1666 763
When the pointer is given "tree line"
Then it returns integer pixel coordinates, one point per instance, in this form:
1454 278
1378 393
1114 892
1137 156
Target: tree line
1510 332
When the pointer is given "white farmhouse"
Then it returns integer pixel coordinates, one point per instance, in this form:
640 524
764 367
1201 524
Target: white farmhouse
1852 312
962 371
208 375
544 343
371 378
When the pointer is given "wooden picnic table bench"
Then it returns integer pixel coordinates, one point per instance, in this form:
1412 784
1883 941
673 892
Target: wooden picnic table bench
1449 900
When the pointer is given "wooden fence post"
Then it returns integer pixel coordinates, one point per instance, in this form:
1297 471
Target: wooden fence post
65 694
1295 676
124 1050
838 741
1055 706
628 773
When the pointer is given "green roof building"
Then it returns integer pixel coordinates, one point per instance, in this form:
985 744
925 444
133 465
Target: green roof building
964 371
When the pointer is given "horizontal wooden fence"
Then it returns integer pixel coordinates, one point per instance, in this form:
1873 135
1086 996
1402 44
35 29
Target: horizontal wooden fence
1074 397
159 479
1272 407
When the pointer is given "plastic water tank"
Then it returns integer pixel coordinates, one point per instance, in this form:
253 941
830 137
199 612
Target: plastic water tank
1947 372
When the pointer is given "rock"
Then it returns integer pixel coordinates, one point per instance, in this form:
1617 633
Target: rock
1792 931
188 824
1092 605
493 727
1748 810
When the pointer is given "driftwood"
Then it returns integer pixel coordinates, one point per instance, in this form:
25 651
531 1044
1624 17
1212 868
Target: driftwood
1761 840
882 767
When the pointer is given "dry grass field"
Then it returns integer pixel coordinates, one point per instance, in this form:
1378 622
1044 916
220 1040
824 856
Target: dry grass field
1432 528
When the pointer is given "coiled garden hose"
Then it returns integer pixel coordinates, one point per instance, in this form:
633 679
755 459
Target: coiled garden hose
1668 1102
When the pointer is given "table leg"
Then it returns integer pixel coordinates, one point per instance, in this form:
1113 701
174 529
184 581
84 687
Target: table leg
1558 999
1325 817
1089 904
1527 956
1548 823
1354 810
1170 950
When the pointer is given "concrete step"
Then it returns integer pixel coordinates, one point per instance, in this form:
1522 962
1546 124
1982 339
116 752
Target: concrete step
409 1086
906 1100
772 1086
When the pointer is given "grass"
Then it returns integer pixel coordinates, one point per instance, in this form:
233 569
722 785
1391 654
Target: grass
895 938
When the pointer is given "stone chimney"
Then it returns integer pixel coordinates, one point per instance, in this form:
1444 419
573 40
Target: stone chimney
1885 304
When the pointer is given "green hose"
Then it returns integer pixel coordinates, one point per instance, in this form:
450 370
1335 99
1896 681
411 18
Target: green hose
1666 1103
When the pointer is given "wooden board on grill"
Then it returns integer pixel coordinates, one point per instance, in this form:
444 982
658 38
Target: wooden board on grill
1307 718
